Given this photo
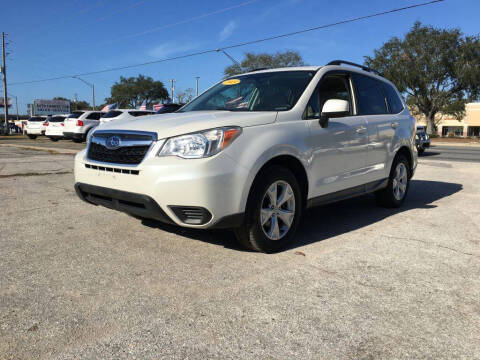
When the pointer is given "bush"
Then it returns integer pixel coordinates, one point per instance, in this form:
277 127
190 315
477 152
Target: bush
451 135
433 136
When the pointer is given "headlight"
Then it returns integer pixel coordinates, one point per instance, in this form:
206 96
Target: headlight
416 137
199 145
89 135
427 137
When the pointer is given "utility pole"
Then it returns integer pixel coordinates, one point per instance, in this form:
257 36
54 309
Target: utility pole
196 85
93 89
173 89
5 95
75 100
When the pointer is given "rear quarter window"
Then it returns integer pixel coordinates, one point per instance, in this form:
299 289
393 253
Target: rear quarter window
94 116
395 105
75 114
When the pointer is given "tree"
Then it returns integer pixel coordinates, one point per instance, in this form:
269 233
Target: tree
254 61
79 105
132 91
437 70
185 96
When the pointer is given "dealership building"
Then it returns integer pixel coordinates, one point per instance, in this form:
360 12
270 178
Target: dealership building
449 125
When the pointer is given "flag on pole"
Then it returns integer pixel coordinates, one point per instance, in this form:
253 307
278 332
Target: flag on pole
144 105
110 107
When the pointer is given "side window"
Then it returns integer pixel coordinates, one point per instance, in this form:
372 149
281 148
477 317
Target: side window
94 116
395 105
331 87
370 96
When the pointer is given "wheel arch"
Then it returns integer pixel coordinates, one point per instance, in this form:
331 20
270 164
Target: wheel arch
405 150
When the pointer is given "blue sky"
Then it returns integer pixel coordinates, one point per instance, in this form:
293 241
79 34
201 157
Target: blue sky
55 38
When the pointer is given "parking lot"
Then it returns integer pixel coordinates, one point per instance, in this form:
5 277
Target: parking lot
362 282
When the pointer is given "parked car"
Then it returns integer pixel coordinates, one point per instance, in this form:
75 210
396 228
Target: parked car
79 123
35 126
123 114
422 141
168 108
255 150
54 127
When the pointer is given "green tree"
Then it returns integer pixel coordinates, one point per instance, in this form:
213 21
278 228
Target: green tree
254 61
437 70
132 91
79 105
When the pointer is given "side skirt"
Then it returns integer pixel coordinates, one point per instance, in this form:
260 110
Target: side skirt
347 193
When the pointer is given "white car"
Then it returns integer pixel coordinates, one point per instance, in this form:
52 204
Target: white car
79 123
253 152
123 114
35 126
54 127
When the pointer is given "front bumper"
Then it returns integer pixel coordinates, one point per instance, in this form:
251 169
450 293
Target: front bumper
159 185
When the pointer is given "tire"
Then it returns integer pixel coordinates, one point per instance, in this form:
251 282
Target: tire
421 150
252 234
77 140
54 139
32 137
393 196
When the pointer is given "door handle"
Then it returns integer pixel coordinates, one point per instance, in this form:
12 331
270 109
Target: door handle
361 130
394 125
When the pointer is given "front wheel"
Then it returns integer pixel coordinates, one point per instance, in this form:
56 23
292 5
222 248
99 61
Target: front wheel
421 150
32 136
398 182
53 139
273 211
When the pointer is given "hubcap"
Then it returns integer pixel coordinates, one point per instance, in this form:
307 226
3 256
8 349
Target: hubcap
400 181
277 210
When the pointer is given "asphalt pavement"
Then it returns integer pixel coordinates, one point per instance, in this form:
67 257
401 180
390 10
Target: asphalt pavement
453 153
362 282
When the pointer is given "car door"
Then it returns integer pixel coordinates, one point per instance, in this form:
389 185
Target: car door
338 150
372 104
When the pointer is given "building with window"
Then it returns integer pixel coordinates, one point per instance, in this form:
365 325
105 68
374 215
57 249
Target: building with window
449 126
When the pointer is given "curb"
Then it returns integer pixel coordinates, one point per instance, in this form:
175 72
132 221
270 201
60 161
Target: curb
46 149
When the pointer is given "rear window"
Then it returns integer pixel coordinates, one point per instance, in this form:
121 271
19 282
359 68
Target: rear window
94 116
370 96
395 105
56 119
139 113
111 114
75 114
36 118
168 108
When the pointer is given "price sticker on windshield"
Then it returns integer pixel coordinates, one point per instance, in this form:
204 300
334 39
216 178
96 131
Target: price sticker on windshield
231 82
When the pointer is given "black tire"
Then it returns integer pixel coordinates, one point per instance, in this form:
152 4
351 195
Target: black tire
77 140
421 150
54 139
251 234
32 137
386 196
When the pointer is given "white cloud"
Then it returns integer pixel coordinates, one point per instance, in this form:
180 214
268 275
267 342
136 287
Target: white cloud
170 48
227 31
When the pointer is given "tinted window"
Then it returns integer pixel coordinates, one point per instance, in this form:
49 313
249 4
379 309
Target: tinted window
139 113
395 105
36 118
75 114
168 108
370 96
270 91
57 119
331 87
94 116
111 114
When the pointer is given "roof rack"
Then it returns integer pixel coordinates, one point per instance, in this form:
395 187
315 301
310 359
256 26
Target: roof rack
364 68
259 69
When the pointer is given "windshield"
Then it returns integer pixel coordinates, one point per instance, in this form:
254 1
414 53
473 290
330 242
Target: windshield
270 91
75 114
111 114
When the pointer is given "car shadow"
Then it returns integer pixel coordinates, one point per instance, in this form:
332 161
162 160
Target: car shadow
428 153
331 220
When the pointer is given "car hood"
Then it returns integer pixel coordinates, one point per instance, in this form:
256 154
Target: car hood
167 125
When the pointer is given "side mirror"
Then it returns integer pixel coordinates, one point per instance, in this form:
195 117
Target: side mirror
333 108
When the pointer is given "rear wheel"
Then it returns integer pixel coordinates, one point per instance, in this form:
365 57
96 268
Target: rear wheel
32 136
273 211
53 139
398 182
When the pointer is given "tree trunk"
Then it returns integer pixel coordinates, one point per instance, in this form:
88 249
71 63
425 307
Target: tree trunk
431 125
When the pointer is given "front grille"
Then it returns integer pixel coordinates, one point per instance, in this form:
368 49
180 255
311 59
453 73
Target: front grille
124 155
131 146
111 169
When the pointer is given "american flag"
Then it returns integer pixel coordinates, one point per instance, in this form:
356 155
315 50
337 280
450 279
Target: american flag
144 105
157 107
109 107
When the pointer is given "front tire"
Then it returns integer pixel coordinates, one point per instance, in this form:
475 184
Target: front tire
396 191
273 211
32 137
421 150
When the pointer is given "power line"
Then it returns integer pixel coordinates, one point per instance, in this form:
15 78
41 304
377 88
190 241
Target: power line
237 45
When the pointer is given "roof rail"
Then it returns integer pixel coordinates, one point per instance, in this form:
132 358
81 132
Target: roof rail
259 69
364 68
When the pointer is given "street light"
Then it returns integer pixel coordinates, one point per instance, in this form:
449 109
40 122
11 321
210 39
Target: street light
231 58
91 85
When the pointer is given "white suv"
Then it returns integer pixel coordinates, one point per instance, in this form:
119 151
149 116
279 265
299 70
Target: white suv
123 114
35 126
255 150
78 124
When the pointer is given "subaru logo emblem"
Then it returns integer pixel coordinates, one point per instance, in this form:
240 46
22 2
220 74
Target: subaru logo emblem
113 142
